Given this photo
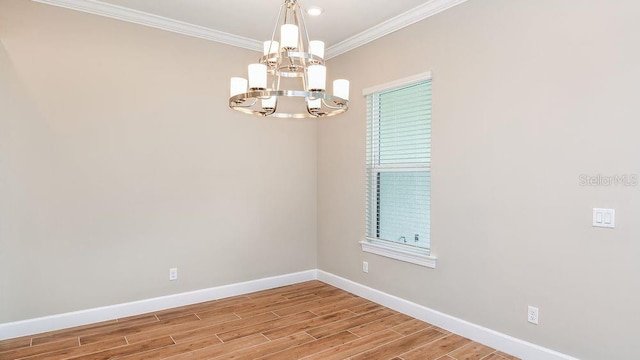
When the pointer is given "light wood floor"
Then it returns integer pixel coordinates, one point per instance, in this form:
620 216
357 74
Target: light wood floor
311 320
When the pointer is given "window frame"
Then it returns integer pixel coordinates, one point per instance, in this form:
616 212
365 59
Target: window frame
403 252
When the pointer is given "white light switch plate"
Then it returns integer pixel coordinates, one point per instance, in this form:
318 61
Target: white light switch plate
605 218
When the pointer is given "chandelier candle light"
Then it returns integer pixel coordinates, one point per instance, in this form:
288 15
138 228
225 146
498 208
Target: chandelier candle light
294 61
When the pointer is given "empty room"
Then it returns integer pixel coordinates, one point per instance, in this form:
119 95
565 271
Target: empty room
319 179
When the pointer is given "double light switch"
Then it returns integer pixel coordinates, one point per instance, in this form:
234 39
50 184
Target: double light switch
605 218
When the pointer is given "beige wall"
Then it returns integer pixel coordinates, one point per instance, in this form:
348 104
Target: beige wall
120 159
528 95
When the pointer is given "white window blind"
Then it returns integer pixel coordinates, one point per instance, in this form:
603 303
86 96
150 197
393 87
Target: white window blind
399 164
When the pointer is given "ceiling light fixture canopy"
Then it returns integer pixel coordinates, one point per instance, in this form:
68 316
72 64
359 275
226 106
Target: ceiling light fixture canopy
315 11
289 80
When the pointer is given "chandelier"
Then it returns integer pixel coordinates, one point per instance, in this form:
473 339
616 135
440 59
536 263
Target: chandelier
289 80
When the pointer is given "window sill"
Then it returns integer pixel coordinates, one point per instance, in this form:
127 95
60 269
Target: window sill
414 256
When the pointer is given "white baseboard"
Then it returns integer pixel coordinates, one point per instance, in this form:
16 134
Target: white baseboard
502 342
497 340
78 318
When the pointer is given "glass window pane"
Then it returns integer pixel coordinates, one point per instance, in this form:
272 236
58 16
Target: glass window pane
403 206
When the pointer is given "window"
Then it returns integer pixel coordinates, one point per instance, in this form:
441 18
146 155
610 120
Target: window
399 170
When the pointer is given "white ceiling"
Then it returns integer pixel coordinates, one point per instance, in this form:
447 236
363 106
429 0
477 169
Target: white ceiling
255 19
345 24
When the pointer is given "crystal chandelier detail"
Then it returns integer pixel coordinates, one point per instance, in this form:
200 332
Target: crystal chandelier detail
289 80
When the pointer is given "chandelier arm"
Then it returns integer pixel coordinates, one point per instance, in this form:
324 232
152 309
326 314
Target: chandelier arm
304 25
304 80
242 104
332 107
313 113
297 16
277 79
277 88
275 29
286 14
292 63
291 7
273 35
275 83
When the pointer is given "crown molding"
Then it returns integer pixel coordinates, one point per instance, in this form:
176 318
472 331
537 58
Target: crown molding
142 18
403 20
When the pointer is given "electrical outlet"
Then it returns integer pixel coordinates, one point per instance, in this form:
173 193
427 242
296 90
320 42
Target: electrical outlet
365 266
532 315
173 274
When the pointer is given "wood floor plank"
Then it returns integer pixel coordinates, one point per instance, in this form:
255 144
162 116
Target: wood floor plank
298 352
216 313
330 292
310 320
127 349
349 323
471 351
366 307
436 349
302 287
254 306
232 306
265 326
313 323
52 336
400 346
80 350
224 327
313 290
40 349
357 346
233 300
380 324
411 326
224 348
290 310
269 347
295 294
138 319
506 356
175 350
12 344
180 328
135 329
270 307
494 356
260 300
188 309
96 328
338 305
